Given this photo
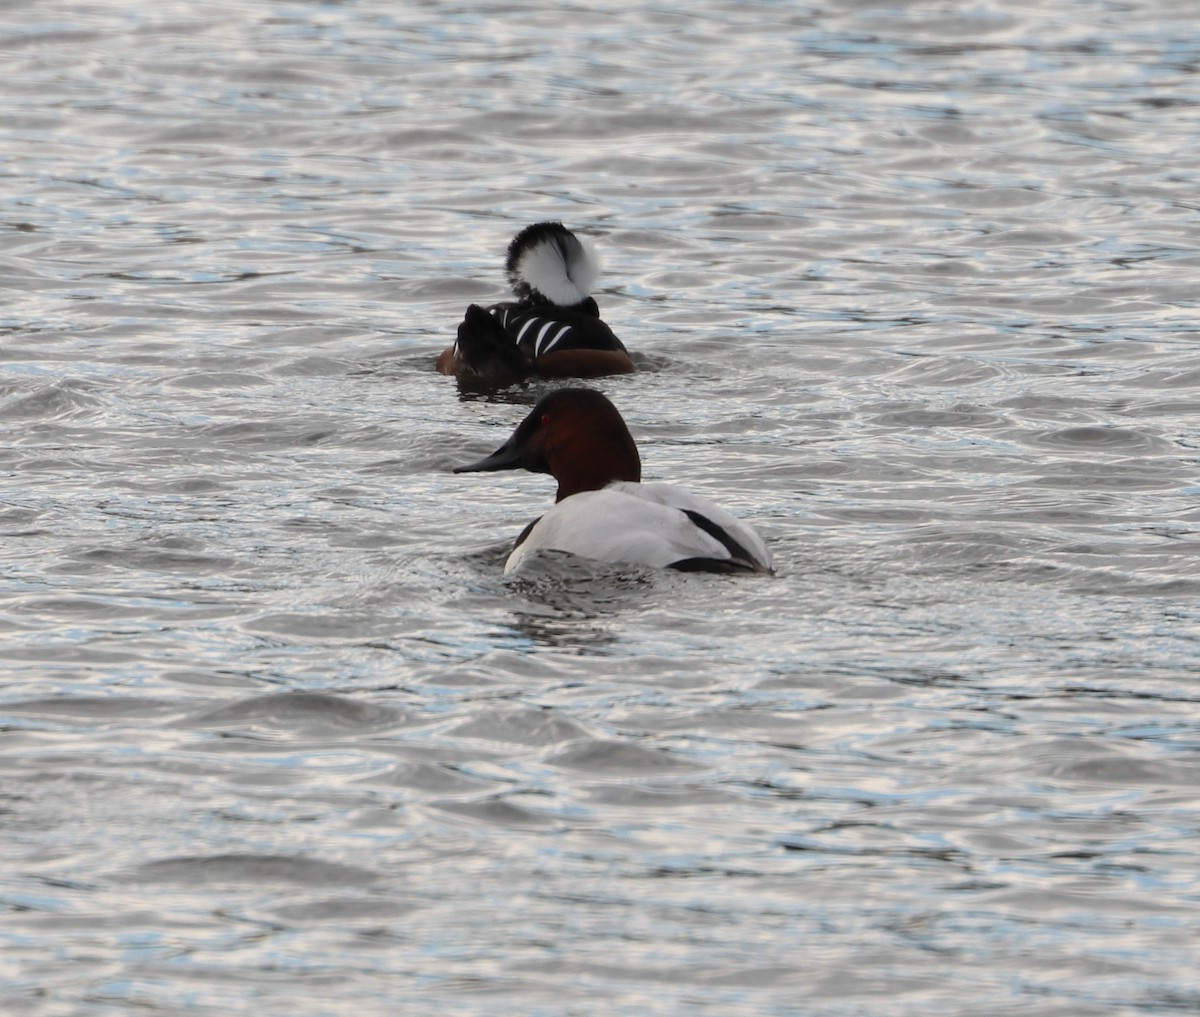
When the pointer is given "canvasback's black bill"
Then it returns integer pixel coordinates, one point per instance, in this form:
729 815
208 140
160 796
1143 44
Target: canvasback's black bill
506 457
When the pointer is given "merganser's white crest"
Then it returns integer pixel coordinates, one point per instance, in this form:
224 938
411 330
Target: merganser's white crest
547 260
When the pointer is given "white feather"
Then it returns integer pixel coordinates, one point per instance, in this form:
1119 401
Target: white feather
636 523
563 280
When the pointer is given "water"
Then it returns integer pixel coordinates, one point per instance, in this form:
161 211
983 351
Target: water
911 287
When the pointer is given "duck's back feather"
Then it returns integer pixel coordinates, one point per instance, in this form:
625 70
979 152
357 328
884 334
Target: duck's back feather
539 329
657 525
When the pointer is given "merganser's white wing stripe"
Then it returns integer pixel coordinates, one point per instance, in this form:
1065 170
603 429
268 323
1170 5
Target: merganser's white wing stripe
537 343
548 345
525 328
545 340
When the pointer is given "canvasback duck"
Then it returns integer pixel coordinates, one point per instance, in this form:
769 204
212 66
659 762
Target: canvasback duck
602 510
552 329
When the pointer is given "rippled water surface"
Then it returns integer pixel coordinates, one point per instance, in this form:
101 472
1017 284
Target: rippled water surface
912 287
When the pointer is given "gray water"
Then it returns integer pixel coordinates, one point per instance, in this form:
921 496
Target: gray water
912 288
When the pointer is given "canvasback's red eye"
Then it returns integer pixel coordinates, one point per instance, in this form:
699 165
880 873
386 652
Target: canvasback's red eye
545 419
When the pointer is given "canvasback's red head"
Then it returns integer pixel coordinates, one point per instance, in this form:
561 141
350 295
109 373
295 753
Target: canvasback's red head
574 434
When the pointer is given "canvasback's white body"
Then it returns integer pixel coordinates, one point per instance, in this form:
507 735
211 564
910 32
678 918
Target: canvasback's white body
645 524
603 511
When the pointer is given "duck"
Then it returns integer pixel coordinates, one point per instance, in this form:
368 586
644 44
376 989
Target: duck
552 329
602 509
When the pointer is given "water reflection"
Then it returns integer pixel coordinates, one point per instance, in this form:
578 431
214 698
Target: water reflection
911 287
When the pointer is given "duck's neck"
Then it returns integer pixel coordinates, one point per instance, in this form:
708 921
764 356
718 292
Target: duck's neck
594 459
